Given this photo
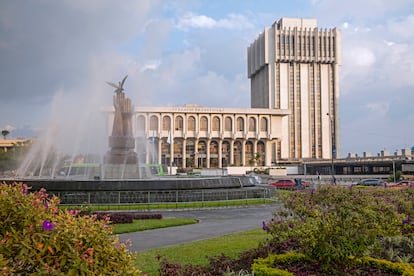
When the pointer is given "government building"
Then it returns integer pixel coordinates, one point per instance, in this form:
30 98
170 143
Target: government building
294 71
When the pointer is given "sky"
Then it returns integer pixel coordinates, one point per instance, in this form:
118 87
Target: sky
55 57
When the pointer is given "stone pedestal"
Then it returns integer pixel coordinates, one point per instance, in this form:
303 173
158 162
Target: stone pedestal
117 171
122 151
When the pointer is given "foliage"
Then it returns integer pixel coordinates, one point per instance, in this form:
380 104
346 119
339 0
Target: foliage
218 265
400 268
5 132
11 159
396 249
334 223
275 264
337 230
38 238
397 176
265 266
116 217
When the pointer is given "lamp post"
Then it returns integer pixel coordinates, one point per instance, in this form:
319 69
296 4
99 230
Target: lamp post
393 169
333 150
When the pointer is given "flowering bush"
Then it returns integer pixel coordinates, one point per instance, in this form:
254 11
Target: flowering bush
334 223
37 237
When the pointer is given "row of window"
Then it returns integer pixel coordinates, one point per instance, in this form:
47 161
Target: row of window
306 45
203 124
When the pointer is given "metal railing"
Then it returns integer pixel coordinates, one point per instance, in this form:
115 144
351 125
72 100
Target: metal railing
157 197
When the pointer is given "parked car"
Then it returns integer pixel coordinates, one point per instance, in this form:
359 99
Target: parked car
372 182
290 184
402 183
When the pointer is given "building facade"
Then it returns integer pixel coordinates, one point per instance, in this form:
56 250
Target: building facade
294 65
193 136
294 71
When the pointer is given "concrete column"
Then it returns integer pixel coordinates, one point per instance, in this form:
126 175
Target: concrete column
196 164
255 151
231 152
268 153
243 152
184 153
208 153
171 152
220 154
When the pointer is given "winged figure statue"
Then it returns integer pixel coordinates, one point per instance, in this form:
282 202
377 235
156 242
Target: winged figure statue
119 87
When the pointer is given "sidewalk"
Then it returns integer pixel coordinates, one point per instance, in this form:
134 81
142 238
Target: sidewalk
212 223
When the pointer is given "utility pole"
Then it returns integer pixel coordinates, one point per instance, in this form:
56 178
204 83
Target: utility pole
333 150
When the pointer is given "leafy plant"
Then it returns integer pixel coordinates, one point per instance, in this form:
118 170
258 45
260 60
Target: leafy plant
5 132
36 237
333 223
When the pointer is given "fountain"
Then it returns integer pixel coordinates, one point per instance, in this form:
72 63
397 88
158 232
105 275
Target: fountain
118 177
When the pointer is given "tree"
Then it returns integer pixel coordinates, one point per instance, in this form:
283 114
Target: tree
5 132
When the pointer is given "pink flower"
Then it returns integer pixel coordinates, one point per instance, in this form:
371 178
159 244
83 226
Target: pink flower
24 189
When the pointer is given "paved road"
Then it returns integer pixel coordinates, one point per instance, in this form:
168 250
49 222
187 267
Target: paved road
212 223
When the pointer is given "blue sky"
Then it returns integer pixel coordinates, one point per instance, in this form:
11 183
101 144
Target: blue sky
55 57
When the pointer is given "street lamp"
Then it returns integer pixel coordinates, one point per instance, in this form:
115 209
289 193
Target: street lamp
393 168
333 150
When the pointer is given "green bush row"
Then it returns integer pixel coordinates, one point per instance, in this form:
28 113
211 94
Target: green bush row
266 266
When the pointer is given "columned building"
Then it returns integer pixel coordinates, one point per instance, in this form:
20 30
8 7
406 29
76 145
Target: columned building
294 71
294 65
193 136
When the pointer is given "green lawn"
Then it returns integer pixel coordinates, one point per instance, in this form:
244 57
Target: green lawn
147 224
195 252
160 206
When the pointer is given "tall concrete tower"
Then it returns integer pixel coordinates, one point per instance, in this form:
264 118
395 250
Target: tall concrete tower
294 65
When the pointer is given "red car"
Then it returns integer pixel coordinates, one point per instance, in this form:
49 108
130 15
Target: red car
290 184
402 183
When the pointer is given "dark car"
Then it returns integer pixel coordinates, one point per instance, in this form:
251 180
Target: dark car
371 182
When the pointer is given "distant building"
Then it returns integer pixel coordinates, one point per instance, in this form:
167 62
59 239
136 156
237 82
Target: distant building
9 144
205 137
294 65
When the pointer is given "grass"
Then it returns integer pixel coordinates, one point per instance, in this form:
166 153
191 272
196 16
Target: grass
160 206
196 252
148 224
190 253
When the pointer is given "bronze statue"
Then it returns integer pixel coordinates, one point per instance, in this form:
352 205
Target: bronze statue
121 141
120 86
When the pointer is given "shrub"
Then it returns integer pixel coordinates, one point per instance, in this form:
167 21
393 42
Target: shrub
333 223
265 266
120 217
36 237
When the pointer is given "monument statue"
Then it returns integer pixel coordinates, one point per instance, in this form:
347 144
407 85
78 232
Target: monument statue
121 141
123 111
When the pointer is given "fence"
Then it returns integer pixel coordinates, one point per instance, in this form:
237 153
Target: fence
156 197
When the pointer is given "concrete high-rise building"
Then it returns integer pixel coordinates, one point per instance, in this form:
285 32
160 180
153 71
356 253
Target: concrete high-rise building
294 65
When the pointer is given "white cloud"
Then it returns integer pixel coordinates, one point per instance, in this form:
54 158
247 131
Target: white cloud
389 43
232 21
151 65
361 56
